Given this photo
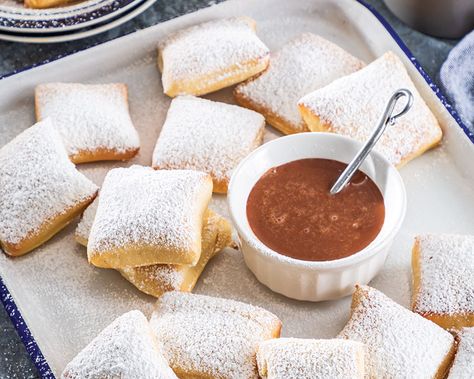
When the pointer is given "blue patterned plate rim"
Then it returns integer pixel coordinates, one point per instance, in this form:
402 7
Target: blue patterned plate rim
91 12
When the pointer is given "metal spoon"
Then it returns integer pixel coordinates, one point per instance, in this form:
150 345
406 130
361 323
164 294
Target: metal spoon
386 119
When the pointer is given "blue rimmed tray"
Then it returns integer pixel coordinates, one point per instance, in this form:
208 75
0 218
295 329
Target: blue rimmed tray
64 302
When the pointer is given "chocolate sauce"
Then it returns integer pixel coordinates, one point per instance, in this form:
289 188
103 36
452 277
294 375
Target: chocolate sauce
291 210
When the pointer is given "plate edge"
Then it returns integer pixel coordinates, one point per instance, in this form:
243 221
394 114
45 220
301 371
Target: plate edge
24 333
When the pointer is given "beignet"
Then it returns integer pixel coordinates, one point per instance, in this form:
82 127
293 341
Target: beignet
207 57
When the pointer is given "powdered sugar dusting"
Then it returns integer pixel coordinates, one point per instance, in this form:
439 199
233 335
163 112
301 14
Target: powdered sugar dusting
208 136
89 116
400 343
139 205
125 349
463 365
167 277
84 226
67 301
293 358
352 105
211 337
447 274
159 278
304 64
204 50
37 182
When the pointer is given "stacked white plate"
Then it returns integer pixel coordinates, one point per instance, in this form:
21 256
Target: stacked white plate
67 23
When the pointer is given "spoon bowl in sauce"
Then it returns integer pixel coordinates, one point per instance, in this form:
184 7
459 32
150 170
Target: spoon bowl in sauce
298 239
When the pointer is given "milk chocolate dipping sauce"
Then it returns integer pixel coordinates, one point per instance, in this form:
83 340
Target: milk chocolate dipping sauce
291 211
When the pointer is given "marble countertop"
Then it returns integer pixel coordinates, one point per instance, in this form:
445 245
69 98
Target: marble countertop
431 53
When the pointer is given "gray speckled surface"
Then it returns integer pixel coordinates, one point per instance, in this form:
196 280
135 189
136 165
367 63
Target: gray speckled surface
431 52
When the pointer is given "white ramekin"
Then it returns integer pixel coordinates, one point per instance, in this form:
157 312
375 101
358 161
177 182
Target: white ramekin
304 280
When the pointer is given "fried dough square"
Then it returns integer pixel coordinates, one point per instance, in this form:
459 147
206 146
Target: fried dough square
40 189
208 136
463 365
146 217
42 4
400 343
208 337
125 349
443 279
93 119
296 358
352 105
207 57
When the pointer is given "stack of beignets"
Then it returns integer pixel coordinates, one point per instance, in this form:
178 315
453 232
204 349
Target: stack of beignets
154 227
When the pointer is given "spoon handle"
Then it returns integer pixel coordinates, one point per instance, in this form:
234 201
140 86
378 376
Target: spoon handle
387 118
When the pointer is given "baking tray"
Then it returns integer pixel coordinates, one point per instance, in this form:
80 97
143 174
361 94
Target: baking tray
59 303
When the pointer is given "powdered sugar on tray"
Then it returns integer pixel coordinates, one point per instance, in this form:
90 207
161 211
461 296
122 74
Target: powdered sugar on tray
297 358
353 104
139 205
304 64
89 117
211 337
124 349
206 49
463 367
447 274
209 136
37 182
400 343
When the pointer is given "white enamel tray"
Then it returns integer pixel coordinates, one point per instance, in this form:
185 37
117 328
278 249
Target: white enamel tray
64 302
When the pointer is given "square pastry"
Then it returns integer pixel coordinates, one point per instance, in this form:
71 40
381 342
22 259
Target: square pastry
147 217
463 365
207 57
207 337
93 119
400 344
208 136
125 349
157 279
443 279
296 358
40 189
352 105
302 65
42 4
